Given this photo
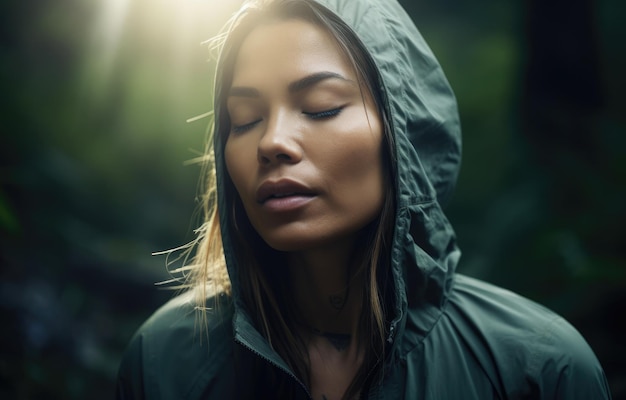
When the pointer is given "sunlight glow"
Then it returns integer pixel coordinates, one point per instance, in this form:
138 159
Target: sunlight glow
108 31
153 36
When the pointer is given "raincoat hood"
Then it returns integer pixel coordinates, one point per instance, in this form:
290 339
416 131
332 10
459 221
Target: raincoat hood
425 125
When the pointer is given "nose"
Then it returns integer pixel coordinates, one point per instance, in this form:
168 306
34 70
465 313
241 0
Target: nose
279 143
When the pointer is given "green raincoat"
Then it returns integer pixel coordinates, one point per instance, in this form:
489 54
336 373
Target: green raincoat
451 336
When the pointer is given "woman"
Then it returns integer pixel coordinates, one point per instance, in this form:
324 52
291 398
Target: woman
336 140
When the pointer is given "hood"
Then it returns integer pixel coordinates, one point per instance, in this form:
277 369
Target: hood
427 133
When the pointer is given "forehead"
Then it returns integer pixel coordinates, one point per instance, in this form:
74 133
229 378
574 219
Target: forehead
288 49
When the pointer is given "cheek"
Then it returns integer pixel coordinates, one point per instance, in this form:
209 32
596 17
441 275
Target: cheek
356 165
234 165
358 150
228 160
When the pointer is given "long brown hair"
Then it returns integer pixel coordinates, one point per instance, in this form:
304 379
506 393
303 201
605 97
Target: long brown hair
261 274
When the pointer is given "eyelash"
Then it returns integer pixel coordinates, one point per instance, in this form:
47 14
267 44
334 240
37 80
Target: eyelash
245 127
326 114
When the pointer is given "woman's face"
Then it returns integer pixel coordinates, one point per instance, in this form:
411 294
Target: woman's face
304 148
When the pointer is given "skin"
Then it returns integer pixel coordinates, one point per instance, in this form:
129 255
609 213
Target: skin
298 113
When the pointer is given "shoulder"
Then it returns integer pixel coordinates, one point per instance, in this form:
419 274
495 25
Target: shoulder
176 353
524 341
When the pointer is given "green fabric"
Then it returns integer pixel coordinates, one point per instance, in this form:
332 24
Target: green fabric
452 337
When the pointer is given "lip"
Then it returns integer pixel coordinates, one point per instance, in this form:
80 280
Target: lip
282 190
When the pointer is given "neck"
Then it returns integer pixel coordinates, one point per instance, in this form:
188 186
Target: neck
326 290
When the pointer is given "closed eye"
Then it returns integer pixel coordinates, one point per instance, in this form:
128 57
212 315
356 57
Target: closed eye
245 127
323 114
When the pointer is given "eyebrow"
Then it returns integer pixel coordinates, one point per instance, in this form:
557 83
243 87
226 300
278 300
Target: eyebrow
314 79
294 87
243 91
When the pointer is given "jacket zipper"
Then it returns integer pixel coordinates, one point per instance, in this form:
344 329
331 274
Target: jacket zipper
370 393
392 329
288 372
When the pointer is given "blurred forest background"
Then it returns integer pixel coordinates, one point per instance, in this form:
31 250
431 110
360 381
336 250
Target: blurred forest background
93 172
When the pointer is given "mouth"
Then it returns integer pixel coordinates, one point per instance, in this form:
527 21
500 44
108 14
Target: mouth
281 189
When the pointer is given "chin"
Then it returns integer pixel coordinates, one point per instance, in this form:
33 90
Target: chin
290 241
289 244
